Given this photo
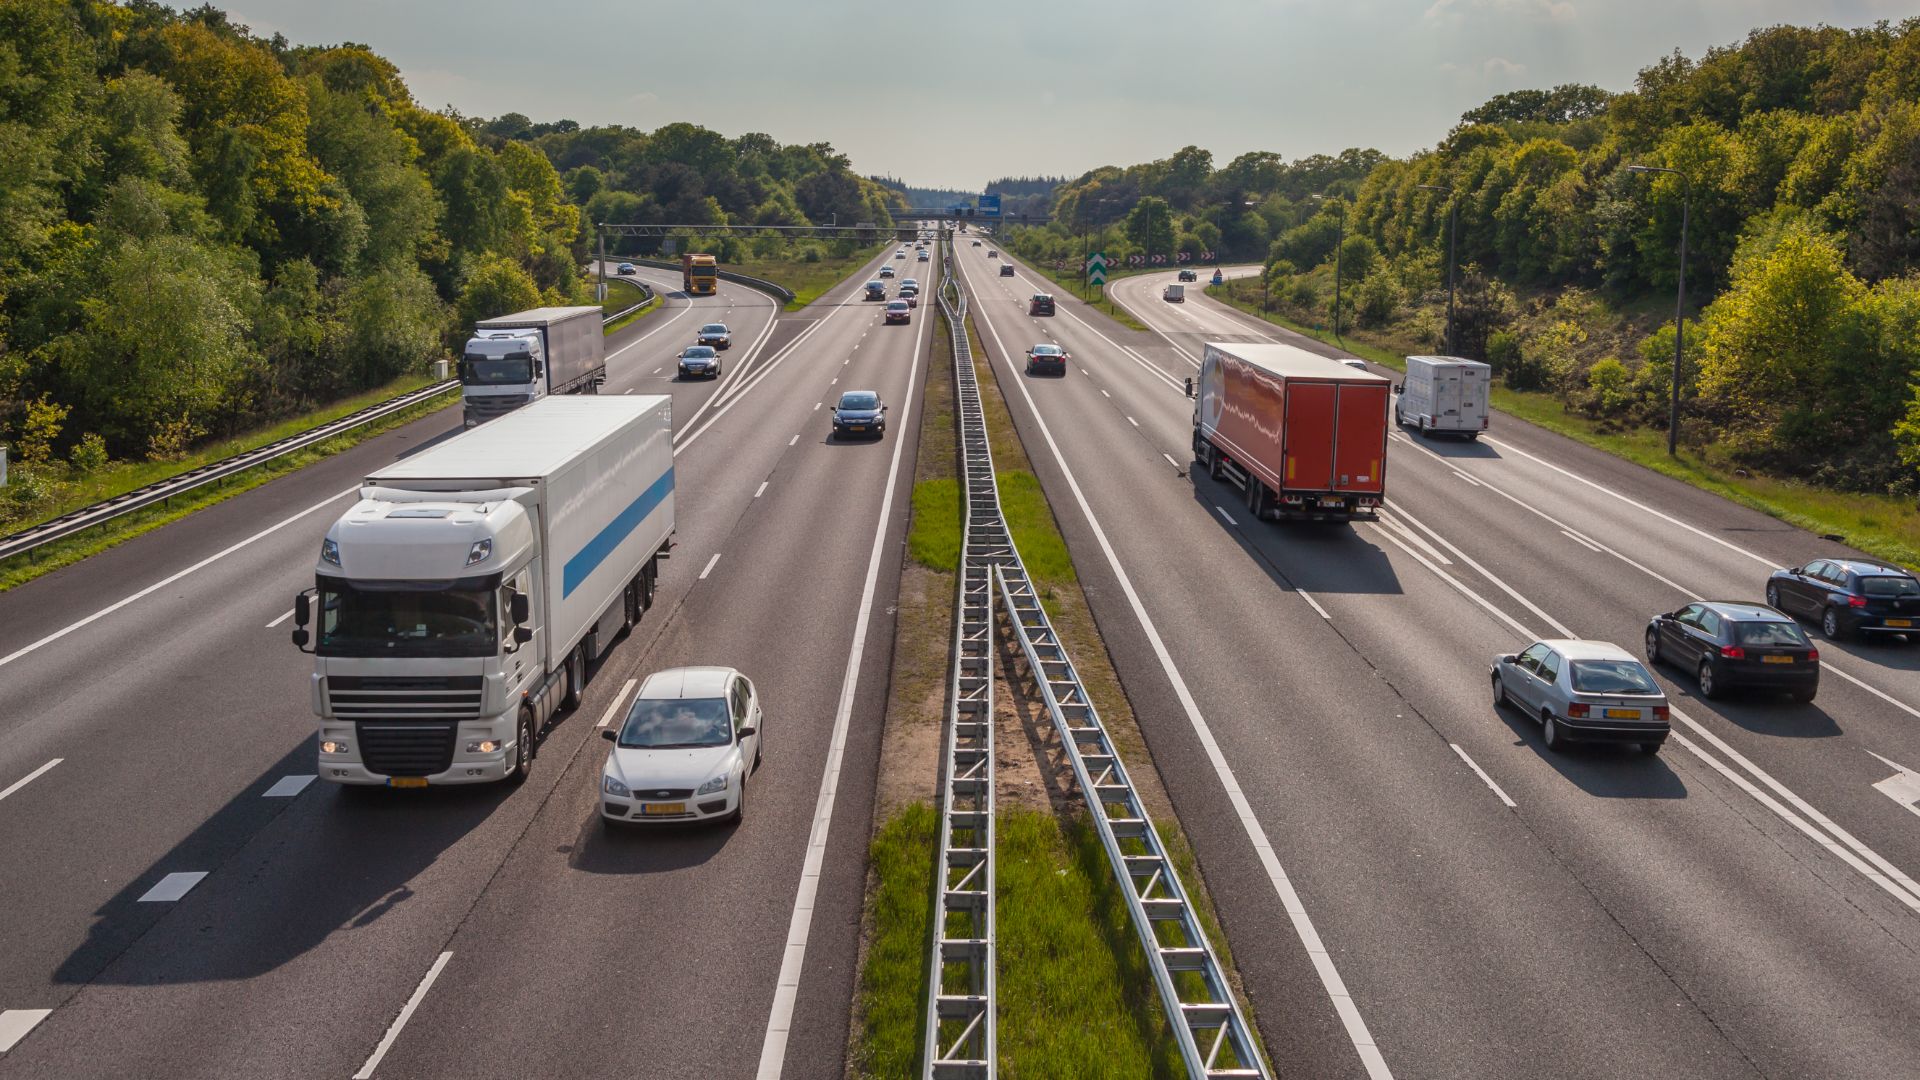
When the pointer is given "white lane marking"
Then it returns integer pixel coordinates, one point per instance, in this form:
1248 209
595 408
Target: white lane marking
172 887
1084 371
1303 928
795 439
1827 663
31 777
741 390
1467 478
1902 787
629 389
1489 575
1169 458
1312 603
15 1023
613 707
835 382
284 616
761 490
1132 421
288 786
1400 527
817 404
171 578
406 1013
656 371
1228 516
1458 585
1581 540
773 1049
1482 773
709 569
1104 394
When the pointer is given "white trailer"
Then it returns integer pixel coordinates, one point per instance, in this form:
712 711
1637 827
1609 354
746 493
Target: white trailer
520 358
459 602
1443 395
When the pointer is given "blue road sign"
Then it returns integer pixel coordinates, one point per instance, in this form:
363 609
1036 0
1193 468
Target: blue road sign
989 206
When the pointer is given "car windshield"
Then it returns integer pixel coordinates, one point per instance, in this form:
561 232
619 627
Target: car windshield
1045 350
1768 633
1612 677
676 724
478 370
714 328
407 618
698 352
1889 585
859 399
897 305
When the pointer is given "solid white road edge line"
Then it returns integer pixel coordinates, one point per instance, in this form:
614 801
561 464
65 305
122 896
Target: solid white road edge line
1312 603
15 1023
773 1049
613 707
30 777
1228 516
1482 774
406 1013
709 567
288 786
1336 988
284 616
172 887
171 578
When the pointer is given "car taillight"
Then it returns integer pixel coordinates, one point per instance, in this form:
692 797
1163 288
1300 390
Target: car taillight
1856 601
1661 712
1578 710
1813 656
1732 652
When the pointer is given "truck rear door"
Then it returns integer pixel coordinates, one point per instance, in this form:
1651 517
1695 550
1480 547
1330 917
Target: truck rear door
1309 437
1361 438
1446 395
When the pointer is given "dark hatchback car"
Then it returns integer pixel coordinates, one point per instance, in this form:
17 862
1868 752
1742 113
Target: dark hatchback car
1040 304
859 412
1730 645
1849 596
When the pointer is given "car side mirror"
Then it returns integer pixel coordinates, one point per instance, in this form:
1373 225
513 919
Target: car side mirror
883 408
748 731
522 635
609 734
1399 388
1793 569
520 608
1510 658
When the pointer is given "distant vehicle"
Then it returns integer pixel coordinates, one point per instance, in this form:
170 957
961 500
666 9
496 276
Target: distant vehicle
1443 395
886 272
899 311
699 360
625 268
520 358
1849 596
699 274
992 254
1006 269
860 412
1354 363
909 283
1047 358
684 750
1174 294
923 256
976 243
876 290
715 334
1304 436
910 292
1583 691
1728 645
1188 275
1040 304
901 254
454 615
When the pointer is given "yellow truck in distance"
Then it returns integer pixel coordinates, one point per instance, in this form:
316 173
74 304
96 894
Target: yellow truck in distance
699 274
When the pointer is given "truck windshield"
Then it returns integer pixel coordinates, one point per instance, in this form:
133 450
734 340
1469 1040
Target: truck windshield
478 370
677 724
407 618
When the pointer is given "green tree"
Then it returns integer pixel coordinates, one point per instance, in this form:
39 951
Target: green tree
1150 226
497 286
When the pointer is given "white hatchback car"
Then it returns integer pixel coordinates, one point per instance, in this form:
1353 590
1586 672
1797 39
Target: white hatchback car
685 749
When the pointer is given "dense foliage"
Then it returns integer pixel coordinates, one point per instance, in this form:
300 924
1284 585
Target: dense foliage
1801 154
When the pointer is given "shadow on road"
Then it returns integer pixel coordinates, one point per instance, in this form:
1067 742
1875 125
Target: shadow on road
1607 772
646 849
1317 556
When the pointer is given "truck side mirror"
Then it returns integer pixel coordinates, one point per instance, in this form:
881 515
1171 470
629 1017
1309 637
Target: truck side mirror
300 638
519 608
522 635
302 609
1189 386
1399 388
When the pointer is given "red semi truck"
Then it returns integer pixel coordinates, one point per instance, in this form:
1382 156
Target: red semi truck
1305 436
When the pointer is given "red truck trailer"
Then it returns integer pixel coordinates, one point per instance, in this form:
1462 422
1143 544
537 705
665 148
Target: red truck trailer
1305 436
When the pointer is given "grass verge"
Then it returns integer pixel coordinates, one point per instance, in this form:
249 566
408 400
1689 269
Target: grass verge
623 294
899 916
1883 526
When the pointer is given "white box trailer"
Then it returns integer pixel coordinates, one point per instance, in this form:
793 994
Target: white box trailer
521 358
1444 395
462 598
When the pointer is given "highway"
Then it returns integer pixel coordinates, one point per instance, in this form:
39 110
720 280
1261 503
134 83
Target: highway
1411 885
157 724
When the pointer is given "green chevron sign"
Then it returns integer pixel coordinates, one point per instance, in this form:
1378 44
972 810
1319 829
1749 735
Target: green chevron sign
1097 268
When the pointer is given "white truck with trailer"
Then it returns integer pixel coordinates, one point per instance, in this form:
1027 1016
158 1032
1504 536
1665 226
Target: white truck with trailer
459 602
1444 395
518 359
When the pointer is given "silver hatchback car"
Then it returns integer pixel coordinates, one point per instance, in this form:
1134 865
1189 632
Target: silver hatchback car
1583 691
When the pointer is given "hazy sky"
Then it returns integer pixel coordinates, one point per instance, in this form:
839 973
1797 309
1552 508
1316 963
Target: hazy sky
956 94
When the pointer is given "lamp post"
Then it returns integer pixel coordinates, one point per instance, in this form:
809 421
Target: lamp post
1453 235
1340 241
1679 304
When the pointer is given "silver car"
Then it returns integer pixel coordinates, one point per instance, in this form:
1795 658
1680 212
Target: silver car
1583 691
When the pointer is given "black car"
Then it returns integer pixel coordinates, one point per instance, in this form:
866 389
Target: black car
1849 596
1729 645
1188 275
1006 269
859 412
876 290
1041 304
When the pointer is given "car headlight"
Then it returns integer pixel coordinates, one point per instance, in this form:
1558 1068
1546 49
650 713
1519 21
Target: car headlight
718 783
612 786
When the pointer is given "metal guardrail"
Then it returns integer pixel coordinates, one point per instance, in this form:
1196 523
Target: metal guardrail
647 297
961 1036
779 292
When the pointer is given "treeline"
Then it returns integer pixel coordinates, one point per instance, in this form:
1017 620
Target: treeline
1800 154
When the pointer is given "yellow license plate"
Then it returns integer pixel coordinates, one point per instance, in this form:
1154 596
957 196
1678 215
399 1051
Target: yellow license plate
1776 659
856 427
1900 622
662 808
1623 714
406 781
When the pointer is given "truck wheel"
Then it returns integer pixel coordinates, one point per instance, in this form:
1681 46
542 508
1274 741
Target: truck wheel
523 748
576 676
629 607
1256 497
648 580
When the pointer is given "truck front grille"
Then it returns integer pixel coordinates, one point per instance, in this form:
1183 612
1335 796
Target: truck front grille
491 406
450 696
406 747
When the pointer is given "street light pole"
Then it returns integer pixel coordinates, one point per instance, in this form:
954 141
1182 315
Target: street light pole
1453 242
1339 241
1679 304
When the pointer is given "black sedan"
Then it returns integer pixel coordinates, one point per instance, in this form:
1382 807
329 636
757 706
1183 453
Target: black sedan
1729 645
1849 596
859 412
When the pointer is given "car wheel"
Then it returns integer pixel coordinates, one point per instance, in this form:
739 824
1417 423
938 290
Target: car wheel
1398 420
1650 748
1653 646
1773 597
1499 692
1803 695
522 748
1423 427
1709 686
1550 736
1831 626
739 808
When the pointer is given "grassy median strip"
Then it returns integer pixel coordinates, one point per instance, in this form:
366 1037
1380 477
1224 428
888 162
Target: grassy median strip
621 295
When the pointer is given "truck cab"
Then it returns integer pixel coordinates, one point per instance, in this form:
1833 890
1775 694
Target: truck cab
501 370
699 274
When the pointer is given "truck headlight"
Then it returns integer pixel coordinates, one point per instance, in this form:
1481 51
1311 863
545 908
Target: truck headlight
718 783
333 746
614 787
330 551
479 551
483 746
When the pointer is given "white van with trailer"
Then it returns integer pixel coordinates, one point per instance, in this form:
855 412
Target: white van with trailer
1444 395
458 604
